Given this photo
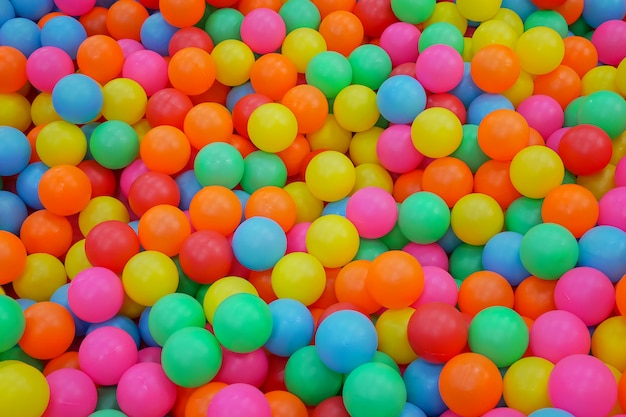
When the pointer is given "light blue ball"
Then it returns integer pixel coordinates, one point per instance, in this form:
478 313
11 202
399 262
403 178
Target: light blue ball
485 104
156 34
22 34
258 243
502 255
292 329
28 184
77 98
604 248
13 212
64 32
15 151
400 99
421 379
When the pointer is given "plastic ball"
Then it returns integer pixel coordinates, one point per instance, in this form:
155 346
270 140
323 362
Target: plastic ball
355 108
147 68
157 397
231 54
72 393
465 216
501 255
299 276
100 57
258 243
46 232
309 106
25 390
16 111
595 12
482 289
192 79
576 289
152 189
242 323
373 211
149 270
206 256
15 149
301 45
96 295
333 240
424 217
63 32
114 144
395 279
439 68
64 190
42 276
536 170
323 383
393 342
292 327
540 50
239 400
14 70
612 103
49 330
47 66
601 248
549 250
60 143
401 52
164 228
21 34
256 365
263 169
400 99
216 208
572 206
495 68
605 340
106 353
222 289
330 176
263 30
13 322
272 127
360 397
124 100
182 14
395 150
526 384
558 334
436 132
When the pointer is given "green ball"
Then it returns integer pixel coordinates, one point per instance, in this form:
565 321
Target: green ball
548 18
262 169
219 163
606 110
307 377
224 24
424 217
523 214
465 260
441 33
571 112
12 322
385 359
469 151
107 413
114 144
369 249
185 284
500 334
242 323
580 27
300 14
107 400
371 65
17 354
172 313
548 250
374 390
202 293
569 178
330 72
413 11
191 357
395 239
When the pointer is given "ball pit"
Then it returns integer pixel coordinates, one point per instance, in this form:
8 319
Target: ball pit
331 208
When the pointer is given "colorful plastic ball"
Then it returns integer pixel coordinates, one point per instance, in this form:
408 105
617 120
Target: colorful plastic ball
46 66
395 279
229 55
77 109
152 189
49 330
147 68
168 106
101 58
16 111
21 34
601 247
439 68
25 391
540 50
106 353
502 255
174 312
114 144
536 170
28 184
157 396
355 108
165 149
182 15
308 377
42 276
586 292
361 398
400 40
263 169
164 228
393 343
330 176
572 206
43 231
65 33
436 132
612 104
216 208
395 150
439 286
15 151
441 33
484 104
298 14
272 127
72 393
156 33
605 341
526 384
263 30
482 289
333 240
13 322
61 143
64 190
258 243
424 217
206 256
273 75
548 250
503 144
192 70
465 216
558 334
373 211
248 368
124 100
596 12
148 276
421 379
400 99
96 295
219 164
239 400
299 276
292 327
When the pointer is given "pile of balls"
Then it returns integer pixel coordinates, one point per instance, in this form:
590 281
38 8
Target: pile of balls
322 208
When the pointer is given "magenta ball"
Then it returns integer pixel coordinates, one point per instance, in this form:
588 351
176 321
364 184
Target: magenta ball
554 139
503 412
46 66
395 150
431 254
145 391
72 394
373 211
96 294
148 68
557 334
130 174
586 292
130 46
400 41
439 68
610 41
150 354
245 368
543 113
239 400
263 30
620 173
106 353
296 237
75 7
613 208
582 385
439 286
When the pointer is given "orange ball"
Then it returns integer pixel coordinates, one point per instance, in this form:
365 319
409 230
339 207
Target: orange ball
535 138
563 84
47 17
12 257
273 75
215 208
495 68
395 279
286 404
198 402
95 21
326 7
294 155
12 70
342 31
309 105
262 281
246 6
407 184
125 18
216 94
243 145
580 55
350 286
571 10
182 13
273 203
328 297
46 232
572 206
492 178
100 57
534 297
484 289
164 228
64 190
165 149
449 178
192 70
49 330
63 361
502 134
207 123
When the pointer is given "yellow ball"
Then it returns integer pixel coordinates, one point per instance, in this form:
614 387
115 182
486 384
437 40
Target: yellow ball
436 132
478 10
130 308
233 62
608 340
101 209
603 77
333 240
331 136
363 146
599 183
355 108
372 175
301 45
43 275
330 176
620 77
536 170
512 18
494 32
124 100
521 90
221 290
42 112
24 391
447 12
525 384
468 49
476 218
272 127
619 148
540 50
61 143
141 128
617 409
76 259
391 327
148 276
299 276
308 207
15 111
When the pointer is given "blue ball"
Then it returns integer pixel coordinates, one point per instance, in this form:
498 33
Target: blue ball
336 207
421 379
28 184
597 12
243 199
77 98
502 255
485 104
237 93
292 329
258 243
13 212
411 410
135 226
32 9
188 186
400 99
65 33
22 34
604 248
345 340
15 151
144 331
156 34
88 130
121 322
450 241
550 412
466 90
60 297
7 12
25 302
522 8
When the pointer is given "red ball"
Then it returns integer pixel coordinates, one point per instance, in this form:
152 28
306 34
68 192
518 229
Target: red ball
275 380
548 4
152 189
331 407
111 244
206 256
168 107
376 16
190 37
244 108
585 149
450 102
103 182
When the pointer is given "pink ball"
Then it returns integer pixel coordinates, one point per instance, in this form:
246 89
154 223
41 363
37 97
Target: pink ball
72 394
543 113
439 286
557 334
613 208
373 211
46 66
400 41
130 174
395 150
439 68
610 41
149 354
106 353
130 46
263 30
431 254
449 413
75 7
245 368
503 412
620 173
586 292
582 385
95 295
296 237
148 68
145 391
239 400
554 139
